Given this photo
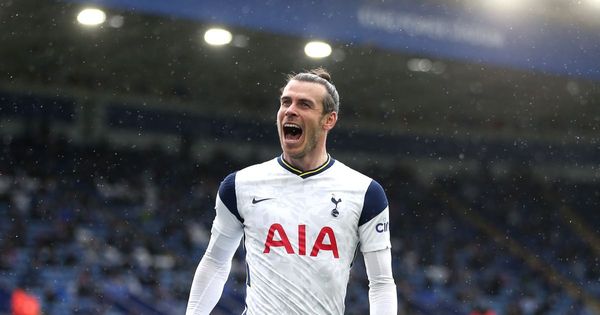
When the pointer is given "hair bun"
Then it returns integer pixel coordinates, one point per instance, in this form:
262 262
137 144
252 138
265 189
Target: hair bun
321 73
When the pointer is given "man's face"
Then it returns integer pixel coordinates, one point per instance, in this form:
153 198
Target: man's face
300 121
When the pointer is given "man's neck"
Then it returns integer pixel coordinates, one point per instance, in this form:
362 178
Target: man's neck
307 163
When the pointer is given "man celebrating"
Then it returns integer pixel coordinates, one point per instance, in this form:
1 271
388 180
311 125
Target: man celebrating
303 215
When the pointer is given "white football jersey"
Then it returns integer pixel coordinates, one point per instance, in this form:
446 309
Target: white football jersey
301 232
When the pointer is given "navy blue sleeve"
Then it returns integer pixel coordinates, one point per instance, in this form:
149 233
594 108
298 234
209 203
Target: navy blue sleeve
228 196
375 203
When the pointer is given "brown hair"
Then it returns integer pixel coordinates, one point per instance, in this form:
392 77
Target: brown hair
331 101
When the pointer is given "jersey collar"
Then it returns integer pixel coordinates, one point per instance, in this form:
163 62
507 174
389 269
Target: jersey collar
305 174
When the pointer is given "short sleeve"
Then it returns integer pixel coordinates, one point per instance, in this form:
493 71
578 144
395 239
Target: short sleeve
227 220
375 202
374 223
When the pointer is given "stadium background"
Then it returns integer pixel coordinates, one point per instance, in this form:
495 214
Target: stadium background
479 118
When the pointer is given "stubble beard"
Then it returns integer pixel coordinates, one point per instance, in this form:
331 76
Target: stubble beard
310 146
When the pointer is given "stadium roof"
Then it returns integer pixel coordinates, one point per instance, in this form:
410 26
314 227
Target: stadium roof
138 52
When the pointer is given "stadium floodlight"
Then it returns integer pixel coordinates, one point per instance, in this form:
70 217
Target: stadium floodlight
506 5
419 65
91 17
317 49
594 3
217 37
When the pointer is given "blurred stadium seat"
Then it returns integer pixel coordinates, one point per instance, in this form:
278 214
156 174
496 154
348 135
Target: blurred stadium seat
110 157
91 228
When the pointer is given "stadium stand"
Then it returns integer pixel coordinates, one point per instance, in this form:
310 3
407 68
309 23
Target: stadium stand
113 142
92 228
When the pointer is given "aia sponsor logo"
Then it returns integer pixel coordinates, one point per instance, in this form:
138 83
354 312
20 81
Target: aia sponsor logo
325 241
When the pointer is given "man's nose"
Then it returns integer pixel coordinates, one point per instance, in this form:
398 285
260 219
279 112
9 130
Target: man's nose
291 110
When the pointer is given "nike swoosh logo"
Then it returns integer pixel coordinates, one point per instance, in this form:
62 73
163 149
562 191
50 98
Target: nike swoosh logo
255 201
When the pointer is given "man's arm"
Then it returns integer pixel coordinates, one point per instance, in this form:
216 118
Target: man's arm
213 270
212 273
382 289
374 233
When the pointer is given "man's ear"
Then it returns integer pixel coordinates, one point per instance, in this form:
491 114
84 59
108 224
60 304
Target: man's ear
330 120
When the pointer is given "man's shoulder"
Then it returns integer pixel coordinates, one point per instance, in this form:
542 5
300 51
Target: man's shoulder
348 171
257 169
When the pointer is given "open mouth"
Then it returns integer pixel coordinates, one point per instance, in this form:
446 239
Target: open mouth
292 131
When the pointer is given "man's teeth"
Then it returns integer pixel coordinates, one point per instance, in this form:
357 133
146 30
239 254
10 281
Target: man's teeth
292 130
